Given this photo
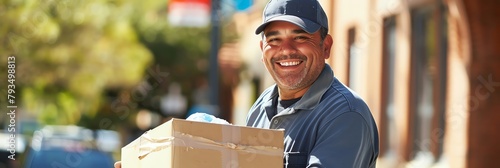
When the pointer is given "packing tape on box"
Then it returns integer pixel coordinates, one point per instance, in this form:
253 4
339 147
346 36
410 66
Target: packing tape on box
148 144
230 158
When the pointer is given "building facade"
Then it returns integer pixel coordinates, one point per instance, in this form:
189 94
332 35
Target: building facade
428 69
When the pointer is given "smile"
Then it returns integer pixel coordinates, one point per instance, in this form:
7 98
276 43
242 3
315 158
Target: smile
291 63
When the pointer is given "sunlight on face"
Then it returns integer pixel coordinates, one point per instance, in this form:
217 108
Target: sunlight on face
293 57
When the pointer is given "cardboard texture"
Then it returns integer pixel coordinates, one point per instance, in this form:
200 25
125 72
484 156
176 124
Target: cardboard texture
190 144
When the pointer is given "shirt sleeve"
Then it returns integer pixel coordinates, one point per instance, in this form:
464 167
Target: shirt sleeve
345 141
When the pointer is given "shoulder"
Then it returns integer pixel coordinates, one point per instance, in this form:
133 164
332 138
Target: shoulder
340 96
340 102
344 110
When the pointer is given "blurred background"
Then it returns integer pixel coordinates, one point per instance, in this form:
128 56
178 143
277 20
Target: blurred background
92 75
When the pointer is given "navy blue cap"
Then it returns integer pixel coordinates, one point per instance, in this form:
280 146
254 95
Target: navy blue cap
307 14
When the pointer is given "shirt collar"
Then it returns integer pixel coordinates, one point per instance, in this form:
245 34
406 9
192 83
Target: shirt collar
312 97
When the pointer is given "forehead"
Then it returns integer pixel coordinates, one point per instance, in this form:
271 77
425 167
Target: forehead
281 25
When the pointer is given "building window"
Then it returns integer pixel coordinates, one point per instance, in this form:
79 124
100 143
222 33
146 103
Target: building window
352 59
428 84
388 133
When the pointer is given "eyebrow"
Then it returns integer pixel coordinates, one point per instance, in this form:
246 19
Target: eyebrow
299 31
296 31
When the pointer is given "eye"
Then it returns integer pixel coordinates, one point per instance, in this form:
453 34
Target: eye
301 38
273 40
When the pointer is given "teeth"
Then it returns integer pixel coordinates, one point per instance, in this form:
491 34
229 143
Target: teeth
289 63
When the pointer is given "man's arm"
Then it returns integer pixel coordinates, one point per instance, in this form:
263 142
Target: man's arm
345 141
118 164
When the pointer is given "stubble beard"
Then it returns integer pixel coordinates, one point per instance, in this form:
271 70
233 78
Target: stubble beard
296 81
292 81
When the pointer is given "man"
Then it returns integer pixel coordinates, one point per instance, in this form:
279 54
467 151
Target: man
325 123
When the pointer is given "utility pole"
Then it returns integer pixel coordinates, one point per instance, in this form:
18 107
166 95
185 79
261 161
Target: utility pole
214 51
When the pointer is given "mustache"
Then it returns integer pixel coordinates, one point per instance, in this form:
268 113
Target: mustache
285 57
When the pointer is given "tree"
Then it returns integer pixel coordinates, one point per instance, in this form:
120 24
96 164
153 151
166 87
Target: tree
68 51
71 53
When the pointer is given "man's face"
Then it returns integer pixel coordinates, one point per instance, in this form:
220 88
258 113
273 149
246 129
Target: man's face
293 57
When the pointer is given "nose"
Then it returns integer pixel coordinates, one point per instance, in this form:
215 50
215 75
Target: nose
288 47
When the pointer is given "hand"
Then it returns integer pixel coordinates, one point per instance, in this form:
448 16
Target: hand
118 164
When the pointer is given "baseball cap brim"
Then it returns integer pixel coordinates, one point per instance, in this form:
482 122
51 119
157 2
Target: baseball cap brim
305 24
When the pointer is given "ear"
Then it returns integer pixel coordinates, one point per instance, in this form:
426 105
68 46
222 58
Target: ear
262 57
260 45
327 45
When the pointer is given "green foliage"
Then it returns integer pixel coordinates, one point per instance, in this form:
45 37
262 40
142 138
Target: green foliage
68 52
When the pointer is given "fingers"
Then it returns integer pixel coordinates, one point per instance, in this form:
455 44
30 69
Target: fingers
118 164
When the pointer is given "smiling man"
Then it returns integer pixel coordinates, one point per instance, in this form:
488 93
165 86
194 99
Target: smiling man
326 124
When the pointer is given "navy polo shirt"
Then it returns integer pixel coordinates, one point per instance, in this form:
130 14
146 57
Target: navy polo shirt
330 126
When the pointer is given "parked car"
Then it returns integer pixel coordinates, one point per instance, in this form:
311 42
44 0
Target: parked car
66 146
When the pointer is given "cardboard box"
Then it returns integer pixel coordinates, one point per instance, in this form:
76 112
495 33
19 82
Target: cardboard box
190 144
